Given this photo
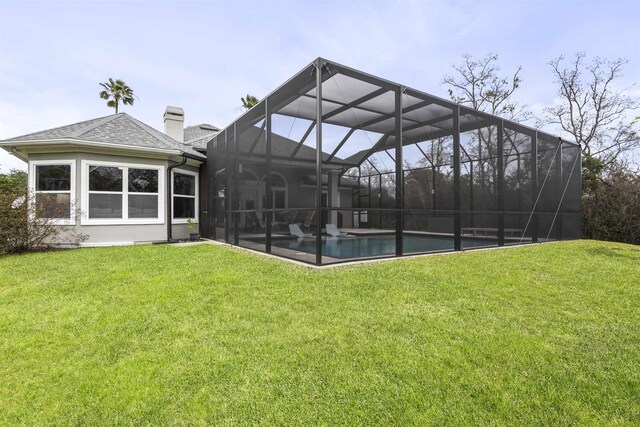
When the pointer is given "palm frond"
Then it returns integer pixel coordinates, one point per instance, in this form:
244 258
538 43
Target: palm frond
117 91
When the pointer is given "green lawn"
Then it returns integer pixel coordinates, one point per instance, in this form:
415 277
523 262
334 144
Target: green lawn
210 335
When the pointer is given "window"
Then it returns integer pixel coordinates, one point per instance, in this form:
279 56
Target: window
185 196
52 183
105 192
123 193
278 192
143 193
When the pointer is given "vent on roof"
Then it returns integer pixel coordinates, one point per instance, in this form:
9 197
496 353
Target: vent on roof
174 123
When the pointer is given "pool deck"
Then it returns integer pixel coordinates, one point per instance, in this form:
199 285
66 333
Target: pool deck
255 242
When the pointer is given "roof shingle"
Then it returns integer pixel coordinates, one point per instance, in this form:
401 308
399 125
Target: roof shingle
120 129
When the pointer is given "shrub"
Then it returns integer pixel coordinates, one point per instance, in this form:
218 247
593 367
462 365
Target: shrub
22 227
611 202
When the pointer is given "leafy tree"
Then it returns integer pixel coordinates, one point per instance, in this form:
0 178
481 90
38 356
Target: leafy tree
611 201
14 180
115 92
249 102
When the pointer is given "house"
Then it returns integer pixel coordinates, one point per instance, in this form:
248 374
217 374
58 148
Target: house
110 177
458 178
117 180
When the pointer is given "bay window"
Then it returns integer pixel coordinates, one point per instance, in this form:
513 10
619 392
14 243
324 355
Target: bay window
123 193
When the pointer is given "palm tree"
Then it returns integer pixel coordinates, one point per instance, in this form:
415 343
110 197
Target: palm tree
118 91
249 102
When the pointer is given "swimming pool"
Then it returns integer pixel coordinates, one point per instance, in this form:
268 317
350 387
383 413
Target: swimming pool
371 246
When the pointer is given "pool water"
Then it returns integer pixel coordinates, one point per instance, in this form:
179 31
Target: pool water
370 246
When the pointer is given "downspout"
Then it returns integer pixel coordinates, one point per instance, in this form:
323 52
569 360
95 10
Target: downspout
169 196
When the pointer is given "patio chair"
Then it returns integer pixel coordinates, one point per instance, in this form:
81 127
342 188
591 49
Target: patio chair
295 230
309 219
332 230
256 223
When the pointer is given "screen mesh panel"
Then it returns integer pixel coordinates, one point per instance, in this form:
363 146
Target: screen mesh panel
457 179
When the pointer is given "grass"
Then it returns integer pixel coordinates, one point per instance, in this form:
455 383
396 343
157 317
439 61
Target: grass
210 335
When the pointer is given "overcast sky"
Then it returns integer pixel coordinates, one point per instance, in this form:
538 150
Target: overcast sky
203 56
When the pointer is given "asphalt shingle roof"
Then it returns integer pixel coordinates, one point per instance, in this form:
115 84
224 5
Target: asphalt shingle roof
125 130
121 129
194 134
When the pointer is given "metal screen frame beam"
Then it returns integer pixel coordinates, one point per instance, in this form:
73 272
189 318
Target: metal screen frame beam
227 202
268 195
358 75
500 166
255 142
399 175
346 137
559 187
376 93
534 187
211 190
371 122
304 138
319 162
457 223
372 150
236 187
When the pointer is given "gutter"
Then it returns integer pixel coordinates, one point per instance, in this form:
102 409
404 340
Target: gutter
12 144
170 198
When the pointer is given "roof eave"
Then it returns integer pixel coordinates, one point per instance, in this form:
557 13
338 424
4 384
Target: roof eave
85 143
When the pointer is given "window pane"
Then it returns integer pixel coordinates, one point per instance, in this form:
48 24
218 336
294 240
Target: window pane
50 205
279 198
105 206
277 181
184 207
143 180
53 178
105 178
143 206
184 184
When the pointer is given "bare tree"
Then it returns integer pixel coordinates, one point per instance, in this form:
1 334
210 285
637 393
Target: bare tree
593 109
479 85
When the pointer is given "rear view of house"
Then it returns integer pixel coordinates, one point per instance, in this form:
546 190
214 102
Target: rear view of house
397 171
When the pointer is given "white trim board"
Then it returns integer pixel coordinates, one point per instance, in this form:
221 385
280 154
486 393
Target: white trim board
197 195
72 186
84 197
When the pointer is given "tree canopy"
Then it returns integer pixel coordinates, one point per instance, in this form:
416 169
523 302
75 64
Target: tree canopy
116 92
249 102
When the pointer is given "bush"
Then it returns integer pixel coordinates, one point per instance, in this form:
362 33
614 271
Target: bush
21 228
611 202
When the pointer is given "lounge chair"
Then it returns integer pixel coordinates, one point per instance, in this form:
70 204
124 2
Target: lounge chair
332 230
295 230
254 222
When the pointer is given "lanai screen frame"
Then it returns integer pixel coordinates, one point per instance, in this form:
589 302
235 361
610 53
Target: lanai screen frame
312 77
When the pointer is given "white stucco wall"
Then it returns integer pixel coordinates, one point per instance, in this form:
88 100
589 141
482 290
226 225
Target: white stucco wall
114 234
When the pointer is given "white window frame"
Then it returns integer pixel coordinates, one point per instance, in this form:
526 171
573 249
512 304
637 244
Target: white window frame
85 220
71 191
196 196
284 188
